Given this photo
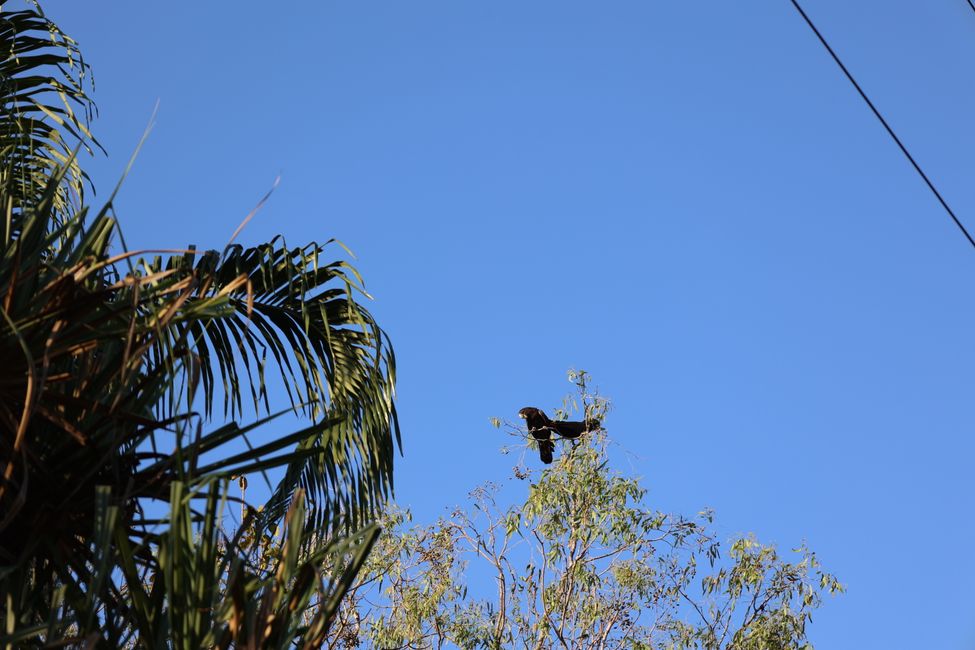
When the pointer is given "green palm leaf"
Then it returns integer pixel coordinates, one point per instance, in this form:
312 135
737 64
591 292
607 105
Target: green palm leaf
44 110
287 307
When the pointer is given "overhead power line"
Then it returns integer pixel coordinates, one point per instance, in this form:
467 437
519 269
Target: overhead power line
971 4
880 117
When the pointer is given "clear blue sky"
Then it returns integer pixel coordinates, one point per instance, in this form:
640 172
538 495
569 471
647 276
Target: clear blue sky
685 199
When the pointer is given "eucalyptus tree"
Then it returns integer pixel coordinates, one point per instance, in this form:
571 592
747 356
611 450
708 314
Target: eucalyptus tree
582 561
124 379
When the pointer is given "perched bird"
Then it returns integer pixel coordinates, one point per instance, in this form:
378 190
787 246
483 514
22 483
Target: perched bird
541 427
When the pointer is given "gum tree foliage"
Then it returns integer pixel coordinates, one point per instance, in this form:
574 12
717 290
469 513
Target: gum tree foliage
114 365
583 561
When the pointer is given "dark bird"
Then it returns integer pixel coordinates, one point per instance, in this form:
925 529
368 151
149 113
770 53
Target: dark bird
541 427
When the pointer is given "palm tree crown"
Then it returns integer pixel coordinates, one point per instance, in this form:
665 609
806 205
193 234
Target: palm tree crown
112 365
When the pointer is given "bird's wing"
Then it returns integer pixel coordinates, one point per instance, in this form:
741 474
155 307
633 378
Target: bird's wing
570 429
541 433
537 420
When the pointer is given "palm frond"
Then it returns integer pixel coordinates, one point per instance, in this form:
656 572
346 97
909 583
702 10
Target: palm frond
285 308
45 110
207 589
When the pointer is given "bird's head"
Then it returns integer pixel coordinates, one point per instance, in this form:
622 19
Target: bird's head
527 411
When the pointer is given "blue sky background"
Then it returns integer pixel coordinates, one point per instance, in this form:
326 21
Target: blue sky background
685 199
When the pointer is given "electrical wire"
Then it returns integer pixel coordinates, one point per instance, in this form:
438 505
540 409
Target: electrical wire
880 117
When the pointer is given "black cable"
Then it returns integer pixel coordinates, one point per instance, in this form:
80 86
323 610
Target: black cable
880 117
971 4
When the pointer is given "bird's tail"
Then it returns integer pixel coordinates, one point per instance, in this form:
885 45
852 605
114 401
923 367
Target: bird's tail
545 450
